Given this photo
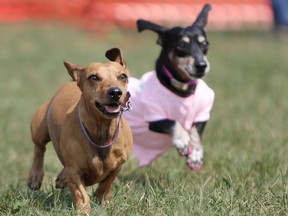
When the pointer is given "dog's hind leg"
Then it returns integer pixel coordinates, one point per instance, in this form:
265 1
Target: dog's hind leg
61 181
40 137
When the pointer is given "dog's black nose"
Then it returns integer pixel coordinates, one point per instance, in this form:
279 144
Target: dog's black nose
114 93
200 66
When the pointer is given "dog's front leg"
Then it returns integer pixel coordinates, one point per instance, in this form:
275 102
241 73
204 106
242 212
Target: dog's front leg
103 192
195 157
180 137
77 188
187 143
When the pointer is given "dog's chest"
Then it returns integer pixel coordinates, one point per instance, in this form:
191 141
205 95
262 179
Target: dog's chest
101 167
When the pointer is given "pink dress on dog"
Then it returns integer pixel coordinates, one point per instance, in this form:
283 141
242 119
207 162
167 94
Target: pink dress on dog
151 101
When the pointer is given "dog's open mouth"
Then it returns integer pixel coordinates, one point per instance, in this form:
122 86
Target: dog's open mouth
110 110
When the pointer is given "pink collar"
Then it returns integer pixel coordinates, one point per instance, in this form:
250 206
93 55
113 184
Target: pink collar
177 84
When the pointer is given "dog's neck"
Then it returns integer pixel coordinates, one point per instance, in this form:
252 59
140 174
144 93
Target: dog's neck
100 130
170 80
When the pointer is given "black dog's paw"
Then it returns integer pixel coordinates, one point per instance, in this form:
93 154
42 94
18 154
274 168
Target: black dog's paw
195 159
181 140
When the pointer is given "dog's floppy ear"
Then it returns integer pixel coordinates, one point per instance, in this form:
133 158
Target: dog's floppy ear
74 70
115 54
144 25
202 18
147 25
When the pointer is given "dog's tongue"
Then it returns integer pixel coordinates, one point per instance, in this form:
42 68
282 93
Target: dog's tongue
112 108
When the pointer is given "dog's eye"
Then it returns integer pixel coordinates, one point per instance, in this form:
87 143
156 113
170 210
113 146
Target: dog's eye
204 44
183 46
94 78
123 77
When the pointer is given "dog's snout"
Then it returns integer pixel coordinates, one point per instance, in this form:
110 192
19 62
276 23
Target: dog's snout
200 66
114 93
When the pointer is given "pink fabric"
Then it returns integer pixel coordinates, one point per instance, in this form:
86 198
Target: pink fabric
151 101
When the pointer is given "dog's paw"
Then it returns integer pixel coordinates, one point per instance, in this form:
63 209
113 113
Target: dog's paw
101 198
181 140
83 209
185 150
195 158
60 183
34 181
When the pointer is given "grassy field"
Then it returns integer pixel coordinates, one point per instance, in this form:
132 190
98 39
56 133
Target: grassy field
246 163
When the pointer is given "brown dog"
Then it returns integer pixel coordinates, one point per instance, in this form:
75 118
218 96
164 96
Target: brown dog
83 121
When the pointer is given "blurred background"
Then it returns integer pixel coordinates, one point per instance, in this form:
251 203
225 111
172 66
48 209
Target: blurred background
101 15
245 170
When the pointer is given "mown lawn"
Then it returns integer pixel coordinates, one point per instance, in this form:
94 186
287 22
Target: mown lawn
246 165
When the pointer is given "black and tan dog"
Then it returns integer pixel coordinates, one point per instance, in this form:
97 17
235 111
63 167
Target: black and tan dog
172 104
83 121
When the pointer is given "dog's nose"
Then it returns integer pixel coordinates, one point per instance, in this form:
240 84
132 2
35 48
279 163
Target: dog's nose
114 93
200 66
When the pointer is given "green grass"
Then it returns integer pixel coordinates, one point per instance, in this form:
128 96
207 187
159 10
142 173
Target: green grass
245 171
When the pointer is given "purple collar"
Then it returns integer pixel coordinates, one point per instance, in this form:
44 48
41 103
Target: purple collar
177 84
125 108
84 130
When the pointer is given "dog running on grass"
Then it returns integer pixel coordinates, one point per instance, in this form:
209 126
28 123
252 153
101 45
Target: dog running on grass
172 104
83 121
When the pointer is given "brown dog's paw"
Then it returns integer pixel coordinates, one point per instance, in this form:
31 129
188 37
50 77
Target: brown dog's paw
33 187
60 183
104 202
84 209
103 199
35 180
